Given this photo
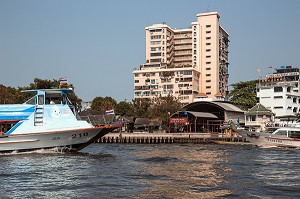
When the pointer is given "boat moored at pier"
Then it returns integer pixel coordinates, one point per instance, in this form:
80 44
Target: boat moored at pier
47 120
282 137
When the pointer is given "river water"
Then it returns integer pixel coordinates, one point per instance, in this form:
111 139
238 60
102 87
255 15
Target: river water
153 171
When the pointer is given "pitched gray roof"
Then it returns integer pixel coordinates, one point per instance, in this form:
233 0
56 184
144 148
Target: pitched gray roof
259 109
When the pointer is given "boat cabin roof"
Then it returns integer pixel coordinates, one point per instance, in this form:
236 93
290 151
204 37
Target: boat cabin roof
51 91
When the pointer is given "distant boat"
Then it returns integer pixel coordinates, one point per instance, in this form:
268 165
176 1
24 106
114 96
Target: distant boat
282 137
47 120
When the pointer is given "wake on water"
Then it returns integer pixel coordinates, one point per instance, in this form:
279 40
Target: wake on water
55 150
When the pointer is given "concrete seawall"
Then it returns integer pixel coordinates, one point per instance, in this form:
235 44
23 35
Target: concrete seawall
157 138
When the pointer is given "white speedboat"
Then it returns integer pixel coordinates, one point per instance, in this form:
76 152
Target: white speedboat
282 137
47 120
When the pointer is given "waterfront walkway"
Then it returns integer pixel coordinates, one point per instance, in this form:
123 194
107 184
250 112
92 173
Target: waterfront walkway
156 138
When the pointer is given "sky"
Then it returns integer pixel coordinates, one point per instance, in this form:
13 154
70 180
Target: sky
98 43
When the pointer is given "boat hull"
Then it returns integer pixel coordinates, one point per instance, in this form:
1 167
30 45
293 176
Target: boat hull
71 140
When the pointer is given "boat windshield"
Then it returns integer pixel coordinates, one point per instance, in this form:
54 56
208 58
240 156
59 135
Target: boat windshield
294 134
55 98
281 132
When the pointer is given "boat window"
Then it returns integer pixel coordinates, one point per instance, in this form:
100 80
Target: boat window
294 134
31 101
281 132
64 100
53 98
40 99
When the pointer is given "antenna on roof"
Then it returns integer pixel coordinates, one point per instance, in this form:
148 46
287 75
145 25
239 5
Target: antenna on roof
207 8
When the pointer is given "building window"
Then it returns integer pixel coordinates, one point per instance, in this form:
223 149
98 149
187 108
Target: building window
208 93
155 60
187 72
194 27
136 81
194 45
208 26
277 97
155 48
207 50
155 42
208 75
208 80
208 87
278 107
155 30
207 32
195 58
208 56
195 52
208 68
155 54
208 62
208 44
208 38
156 37
278 89
195 40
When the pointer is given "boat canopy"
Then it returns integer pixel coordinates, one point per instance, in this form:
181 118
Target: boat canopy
51 91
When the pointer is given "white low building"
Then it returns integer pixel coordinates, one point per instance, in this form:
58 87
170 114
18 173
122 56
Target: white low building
279 91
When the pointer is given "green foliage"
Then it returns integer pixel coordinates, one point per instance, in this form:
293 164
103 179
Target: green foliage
124 108
163 107
44 84
158 108
6 95
103 104
243 94
141 107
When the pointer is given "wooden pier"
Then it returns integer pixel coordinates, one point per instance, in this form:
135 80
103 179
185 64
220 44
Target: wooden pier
167 138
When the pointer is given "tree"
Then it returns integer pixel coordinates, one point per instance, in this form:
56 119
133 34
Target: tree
6 95
158 108
141 107
243 94
163 107
103 103
124 108
44 84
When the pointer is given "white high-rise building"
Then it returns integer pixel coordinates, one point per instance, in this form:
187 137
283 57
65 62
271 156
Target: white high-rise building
186 63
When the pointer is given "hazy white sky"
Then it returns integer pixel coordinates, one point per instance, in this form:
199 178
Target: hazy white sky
98 43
